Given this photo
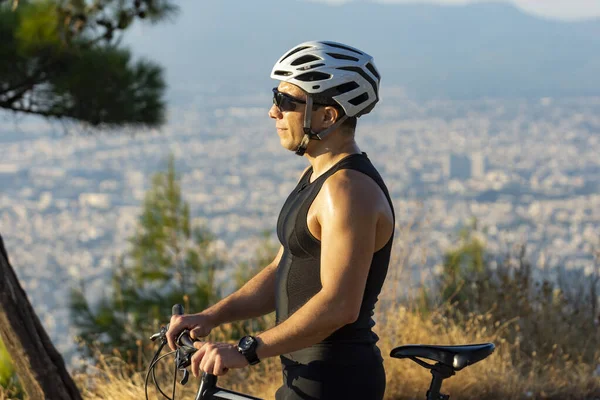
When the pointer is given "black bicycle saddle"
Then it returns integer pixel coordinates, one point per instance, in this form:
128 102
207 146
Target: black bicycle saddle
455 357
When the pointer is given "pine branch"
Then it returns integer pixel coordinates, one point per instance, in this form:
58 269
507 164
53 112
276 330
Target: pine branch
29 110
19 95
41 74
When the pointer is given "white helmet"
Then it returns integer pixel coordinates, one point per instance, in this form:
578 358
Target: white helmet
332 70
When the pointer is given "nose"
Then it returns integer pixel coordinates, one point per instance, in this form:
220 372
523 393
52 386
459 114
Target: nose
274 112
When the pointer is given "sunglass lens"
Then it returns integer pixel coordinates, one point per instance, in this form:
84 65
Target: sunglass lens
282 102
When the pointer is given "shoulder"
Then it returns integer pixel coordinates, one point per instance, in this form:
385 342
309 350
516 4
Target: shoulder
352 189
350 180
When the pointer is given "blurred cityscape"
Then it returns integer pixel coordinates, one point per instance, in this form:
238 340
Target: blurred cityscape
527 170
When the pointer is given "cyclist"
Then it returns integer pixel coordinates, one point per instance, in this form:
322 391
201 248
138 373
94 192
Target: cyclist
336 229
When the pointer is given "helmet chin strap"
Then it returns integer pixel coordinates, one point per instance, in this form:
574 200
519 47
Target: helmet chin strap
309 133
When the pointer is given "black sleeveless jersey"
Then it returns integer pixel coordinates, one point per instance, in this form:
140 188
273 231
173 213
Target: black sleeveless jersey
298 272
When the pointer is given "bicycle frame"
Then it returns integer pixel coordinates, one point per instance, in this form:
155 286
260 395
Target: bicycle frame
208 390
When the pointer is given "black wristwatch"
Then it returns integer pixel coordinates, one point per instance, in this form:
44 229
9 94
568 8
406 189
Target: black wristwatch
247 347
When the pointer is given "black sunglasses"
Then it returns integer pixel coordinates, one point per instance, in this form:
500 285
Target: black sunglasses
284 101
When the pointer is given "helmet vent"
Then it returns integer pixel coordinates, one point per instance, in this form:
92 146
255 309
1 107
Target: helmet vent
313 76
282 73
305 59
346 87
316 87
307 67
371 68
297 49
359 99
342 57
363 74
339 46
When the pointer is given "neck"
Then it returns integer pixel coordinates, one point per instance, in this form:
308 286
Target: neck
324 155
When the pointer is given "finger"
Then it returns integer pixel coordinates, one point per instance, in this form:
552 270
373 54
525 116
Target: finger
208 362
218 367
197 333
199 344
196 360
173 331
206 359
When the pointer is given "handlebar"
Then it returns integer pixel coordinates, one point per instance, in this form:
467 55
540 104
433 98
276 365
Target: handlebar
184 340
185 349
183 355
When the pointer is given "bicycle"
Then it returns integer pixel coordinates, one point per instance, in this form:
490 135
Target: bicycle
449 360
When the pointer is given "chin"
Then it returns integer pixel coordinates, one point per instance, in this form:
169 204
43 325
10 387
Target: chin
288 144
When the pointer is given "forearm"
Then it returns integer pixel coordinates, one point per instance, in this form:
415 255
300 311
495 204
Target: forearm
313 322
254 299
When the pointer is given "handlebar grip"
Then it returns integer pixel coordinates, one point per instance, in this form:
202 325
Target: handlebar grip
177 310
184 338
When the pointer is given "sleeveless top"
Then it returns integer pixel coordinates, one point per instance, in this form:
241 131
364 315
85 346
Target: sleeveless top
298 273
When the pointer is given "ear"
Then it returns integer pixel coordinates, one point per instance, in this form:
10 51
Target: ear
330 115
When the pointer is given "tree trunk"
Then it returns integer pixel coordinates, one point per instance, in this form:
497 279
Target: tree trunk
40 367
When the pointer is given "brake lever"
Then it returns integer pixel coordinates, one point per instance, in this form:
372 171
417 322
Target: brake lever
186 376
183 359
183 354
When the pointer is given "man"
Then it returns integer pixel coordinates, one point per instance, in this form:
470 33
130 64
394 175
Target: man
336 229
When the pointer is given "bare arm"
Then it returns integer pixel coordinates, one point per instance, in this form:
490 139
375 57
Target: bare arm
348 230
254 299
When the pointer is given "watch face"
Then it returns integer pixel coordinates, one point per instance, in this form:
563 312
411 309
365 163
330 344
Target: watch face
246 342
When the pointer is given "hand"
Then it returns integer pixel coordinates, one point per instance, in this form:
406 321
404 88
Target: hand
199 326
216 358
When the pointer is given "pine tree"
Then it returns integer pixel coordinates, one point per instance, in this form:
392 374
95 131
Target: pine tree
464 268
170 261
63 59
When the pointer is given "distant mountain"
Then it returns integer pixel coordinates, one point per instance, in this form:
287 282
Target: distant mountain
477 50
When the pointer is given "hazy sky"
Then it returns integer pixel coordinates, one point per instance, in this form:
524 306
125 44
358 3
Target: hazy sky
556 9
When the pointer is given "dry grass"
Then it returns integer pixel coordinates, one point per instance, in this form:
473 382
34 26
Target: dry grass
500 376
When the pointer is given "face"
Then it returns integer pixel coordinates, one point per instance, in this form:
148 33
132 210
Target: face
290 124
